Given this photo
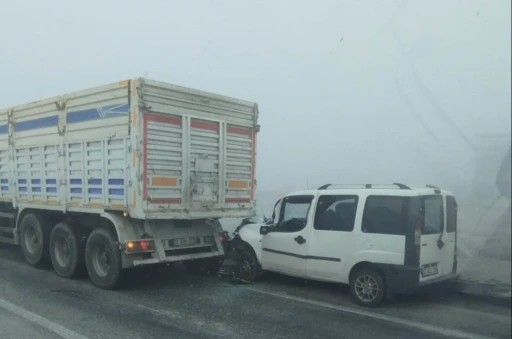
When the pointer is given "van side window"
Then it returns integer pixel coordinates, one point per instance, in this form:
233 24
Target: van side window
336 213
385 215
293 215
451 214
433 222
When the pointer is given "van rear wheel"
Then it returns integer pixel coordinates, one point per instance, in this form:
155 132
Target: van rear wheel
368 288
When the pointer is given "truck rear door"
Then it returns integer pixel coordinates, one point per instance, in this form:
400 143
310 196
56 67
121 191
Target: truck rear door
204 154
196 163
199 151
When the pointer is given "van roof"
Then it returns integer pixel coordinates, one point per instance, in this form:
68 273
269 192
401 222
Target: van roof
366 189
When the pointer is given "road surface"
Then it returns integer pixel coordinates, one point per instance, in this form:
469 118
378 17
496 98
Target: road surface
168 303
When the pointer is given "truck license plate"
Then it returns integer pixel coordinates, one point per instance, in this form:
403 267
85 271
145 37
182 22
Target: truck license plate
184 241
429 270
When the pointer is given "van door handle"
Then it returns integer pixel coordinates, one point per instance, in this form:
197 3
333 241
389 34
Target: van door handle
423 244
300 240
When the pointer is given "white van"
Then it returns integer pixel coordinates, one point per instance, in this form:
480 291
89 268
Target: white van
381 240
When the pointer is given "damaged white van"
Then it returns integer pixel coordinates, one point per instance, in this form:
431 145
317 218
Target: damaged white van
381 240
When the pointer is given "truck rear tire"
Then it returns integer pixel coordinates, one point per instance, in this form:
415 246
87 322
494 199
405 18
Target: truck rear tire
203 266
67 250
103 259
35 239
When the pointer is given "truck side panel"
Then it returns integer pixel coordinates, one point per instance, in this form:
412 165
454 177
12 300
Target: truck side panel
67 152
5 182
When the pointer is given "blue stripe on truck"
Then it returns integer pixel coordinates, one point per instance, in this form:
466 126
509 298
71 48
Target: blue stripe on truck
97 113
26 125
71 117
36 188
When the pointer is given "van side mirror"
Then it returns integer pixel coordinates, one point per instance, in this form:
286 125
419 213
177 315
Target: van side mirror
264 230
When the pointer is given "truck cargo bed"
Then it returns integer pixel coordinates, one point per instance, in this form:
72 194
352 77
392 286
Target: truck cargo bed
149 148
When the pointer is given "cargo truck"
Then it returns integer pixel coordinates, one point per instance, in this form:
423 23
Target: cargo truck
127 174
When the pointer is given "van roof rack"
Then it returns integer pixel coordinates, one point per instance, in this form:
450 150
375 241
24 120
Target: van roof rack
400 186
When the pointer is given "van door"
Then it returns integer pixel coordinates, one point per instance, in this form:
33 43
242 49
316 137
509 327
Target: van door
333 241
284 249
432 240
450 236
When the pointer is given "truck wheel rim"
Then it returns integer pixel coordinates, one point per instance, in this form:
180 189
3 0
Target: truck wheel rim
62 251
366 288
32 241
101 259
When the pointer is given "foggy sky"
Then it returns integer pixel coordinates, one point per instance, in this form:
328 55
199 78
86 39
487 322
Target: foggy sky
348 91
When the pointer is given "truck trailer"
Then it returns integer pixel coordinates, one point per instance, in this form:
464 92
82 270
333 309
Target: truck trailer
128 174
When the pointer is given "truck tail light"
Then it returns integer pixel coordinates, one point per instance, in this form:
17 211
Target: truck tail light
223 236
139 246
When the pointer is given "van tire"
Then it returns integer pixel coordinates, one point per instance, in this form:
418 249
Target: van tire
249 268
368 287
35 239
67 250
103 259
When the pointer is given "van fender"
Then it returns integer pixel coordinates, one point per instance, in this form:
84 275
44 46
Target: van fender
250 236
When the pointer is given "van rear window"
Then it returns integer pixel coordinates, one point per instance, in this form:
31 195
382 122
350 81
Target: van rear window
433 222
451 214
386 215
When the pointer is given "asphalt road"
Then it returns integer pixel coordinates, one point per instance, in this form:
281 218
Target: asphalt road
12 326
168 303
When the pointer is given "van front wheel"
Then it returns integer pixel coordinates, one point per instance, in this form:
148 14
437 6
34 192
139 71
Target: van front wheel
368 288
249 268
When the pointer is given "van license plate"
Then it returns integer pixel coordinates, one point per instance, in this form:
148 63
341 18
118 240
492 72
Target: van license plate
429 270
184 241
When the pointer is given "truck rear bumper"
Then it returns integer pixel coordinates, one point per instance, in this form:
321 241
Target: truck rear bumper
174 258
184 214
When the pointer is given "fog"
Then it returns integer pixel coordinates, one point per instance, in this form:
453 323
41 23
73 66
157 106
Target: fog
349 91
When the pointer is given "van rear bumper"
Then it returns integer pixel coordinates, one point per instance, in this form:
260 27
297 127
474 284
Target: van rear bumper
406 279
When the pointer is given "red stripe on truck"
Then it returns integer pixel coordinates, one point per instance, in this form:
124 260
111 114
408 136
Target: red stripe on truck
145 157
163 118
237 200
253 167
204 125
239 130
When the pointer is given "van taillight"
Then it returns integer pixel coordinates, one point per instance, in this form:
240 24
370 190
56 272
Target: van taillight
417 234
